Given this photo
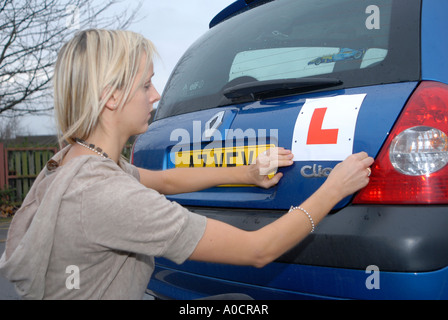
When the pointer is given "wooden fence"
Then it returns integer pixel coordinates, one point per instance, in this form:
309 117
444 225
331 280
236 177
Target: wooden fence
19 168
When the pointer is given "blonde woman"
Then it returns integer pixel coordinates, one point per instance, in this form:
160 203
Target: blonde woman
91 224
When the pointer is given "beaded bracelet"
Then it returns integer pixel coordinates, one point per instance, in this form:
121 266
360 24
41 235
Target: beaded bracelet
307 214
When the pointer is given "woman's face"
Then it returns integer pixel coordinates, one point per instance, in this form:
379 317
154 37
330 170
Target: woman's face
137 111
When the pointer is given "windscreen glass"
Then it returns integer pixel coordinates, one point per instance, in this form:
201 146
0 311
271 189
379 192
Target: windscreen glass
357 42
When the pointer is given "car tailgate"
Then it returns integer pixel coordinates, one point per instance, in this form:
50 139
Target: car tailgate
320 128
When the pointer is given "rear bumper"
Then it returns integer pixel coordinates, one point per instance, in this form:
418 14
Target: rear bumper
407 244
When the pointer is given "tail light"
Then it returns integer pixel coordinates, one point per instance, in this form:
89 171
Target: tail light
412 166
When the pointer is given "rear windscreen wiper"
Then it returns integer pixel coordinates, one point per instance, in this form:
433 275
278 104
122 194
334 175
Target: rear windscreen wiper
259 90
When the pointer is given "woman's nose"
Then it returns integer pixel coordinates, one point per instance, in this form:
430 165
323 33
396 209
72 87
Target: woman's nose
154 96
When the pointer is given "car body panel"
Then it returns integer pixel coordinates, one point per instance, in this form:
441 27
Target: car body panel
352 239
406 245
434 37
380 107
315 283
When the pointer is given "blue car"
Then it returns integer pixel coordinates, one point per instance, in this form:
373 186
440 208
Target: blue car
246 86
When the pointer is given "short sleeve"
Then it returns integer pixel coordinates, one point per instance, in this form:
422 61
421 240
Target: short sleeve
121 214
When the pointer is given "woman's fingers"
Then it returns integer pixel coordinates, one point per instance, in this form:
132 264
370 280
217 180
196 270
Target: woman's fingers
274 158
352 174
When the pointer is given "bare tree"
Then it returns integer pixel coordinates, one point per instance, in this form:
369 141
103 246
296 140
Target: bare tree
31 34
10 128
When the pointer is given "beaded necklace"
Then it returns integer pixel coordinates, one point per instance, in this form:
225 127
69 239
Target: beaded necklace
92 147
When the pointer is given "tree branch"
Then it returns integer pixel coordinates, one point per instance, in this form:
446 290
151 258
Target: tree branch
31 34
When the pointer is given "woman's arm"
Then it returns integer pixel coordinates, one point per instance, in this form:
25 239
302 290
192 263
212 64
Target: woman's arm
182 180
226 244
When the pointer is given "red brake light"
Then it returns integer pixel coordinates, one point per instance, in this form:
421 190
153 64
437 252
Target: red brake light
412 166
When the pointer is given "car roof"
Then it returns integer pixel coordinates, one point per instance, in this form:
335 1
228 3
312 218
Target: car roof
234 9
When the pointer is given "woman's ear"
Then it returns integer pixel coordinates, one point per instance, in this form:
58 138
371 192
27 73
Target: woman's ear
112 103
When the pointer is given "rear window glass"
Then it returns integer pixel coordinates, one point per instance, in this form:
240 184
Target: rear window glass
358 42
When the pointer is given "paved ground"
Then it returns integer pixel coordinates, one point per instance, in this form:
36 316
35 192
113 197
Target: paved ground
7 291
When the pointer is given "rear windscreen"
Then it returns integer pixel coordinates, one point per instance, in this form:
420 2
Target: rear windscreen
357 42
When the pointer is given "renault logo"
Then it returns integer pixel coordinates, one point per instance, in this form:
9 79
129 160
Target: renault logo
213 124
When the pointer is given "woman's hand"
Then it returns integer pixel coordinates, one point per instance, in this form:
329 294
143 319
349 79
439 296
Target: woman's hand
350 175
263 172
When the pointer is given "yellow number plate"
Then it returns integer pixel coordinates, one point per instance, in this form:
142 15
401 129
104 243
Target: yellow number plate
220 157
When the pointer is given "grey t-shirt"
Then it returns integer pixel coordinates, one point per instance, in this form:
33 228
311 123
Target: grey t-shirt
105 234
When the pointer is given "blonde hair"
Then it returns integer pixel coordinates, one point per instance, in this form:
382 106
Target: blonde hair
89 69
